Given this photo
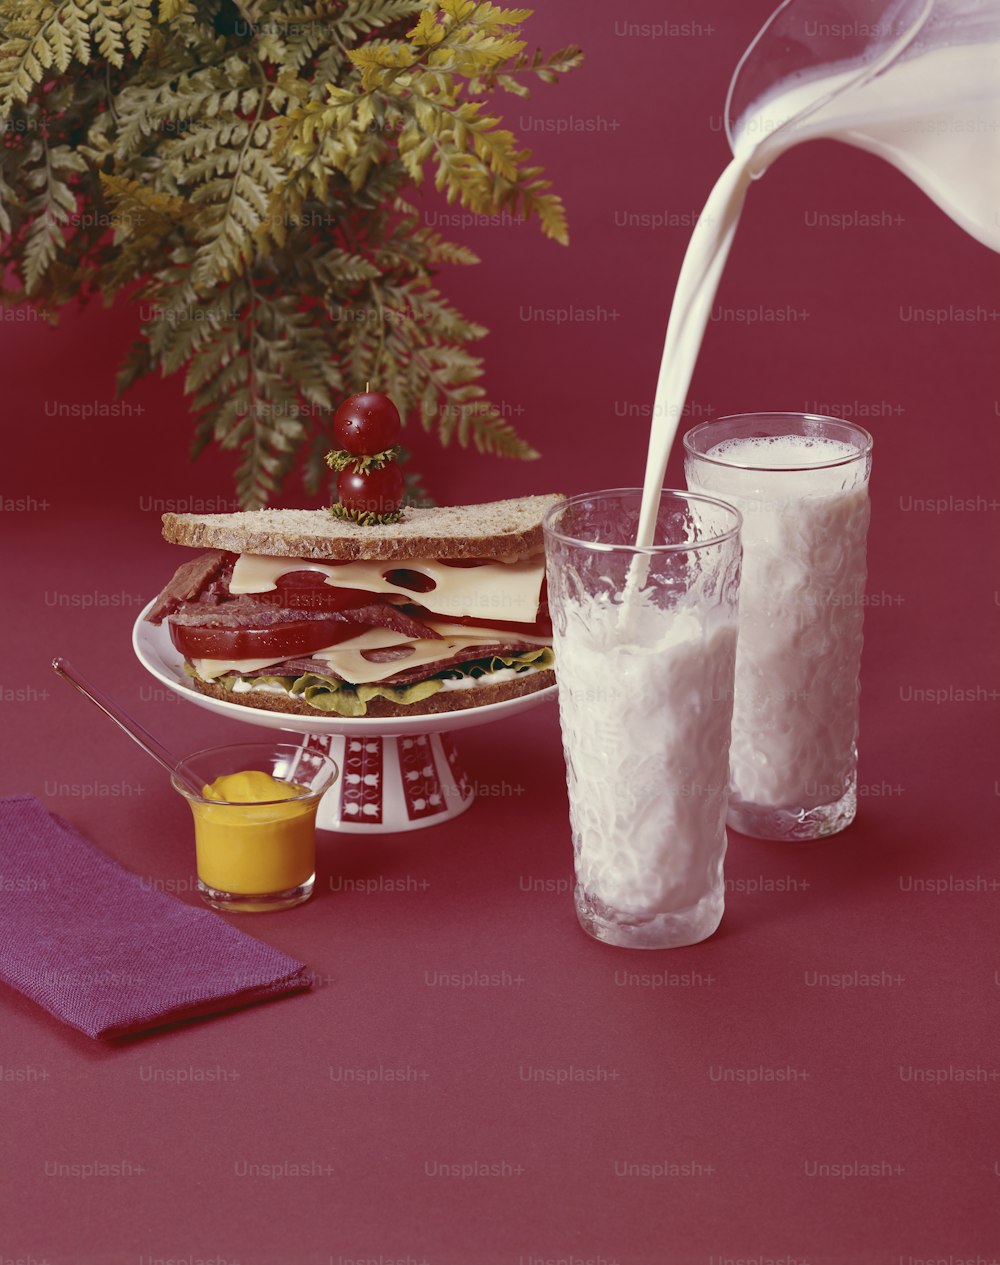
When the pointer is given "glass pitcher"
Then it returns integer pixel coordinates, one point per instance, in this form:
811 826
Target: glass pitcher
915 81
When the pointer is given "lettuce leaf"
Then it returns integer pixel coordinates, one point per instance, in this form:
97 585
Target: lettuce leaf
327 694
536 660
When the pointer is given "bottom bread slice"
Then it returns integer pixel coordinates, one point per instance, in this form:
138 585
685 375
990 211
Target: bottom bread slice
478 695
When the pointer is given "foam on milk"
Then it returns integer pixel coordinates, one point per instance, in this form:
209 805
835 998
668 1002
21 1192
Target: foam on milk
783 452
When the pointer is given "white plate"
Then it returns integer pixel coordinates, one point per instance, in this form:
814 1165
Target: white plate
157 654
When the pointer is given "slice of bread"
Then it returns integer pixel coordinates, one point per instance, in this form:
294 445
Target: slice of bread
444 701
497 529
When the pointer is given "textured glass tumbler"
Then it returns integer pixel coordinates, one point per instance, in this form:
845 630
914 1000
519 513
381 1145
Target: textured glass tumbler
645 645
801 483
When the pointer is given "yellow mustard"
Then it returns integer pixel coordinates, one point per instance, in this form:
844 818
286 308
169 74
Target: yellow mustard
249 846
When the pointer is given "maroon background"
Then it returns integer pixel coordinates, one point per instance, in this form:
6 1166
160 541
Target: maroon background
666 1059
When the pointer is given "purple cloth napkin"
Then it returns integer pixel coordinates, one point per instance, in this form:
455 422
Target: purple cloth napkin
99 950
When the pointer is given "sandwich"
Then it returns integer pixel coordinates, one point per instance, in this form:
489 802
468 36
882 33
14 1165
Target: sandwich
301 612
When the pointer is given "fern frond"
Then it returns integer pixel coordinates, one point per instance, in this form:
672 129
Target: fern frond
106 30
439 251
140 209
138 24
433 318
226 165
453 400
342 270
136 365
171 10
32 45
258 186
348 18
50 208
8 200
51 34
547 69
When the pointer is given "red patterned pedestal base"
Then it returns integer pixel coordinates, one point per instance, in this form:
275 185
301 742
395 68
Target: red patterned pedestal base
392 784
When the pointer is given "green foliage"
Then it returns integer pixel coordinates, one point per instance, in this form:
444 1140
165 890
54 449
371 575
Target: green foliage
366 518
246 168
339 459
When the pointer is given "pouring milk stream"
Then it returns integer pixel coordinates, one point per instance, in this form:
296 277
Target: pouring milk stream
929 104
648 803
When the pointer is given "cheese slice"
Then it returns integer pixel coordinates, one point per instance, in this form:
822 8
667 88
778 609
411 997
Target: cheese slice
355 668
370 639
347 660
485 633
508 591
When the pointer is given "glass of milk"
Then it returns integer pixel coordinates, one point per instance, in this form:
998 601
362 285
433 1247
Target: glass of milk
645 646
801 483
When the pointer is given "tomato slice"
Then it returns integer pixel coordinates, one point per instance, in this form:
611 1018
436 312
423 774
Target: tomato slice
542 627
280 641
415 581
309 591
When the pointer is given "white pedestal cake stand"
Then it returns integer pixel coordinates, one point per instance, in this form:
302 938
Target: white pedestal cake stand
396 774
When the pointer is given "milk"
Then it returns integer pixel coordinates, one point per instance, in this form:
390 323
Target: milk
935 116
699 278
646 727
801 611
803 536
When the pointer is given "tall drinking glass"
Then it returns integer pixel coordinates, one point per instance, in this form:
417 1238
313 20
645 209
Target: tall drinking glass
645 644
801 483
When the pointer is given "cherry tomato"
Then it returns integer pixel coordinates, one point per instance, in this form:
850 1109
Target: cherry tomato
367 423
372 491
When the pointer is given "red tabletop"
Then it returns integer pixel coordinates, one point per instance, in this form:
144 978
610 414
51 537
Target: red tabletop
472 1080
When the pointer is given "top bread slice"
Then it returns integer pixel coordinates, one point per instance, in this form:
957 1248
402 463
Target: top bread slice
496 529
